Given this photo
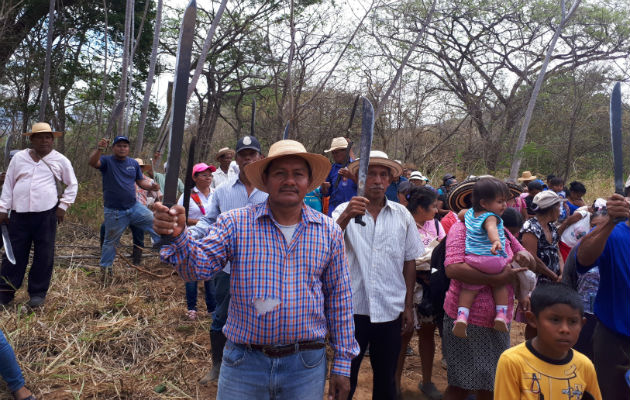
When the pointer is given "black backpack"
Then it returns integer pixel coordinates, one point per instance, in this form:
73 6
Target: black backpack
439 282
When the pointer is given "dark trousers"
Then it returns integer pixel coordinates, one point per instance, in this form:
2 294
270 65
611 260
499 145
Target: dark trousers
384 341
136 233
222 296
26 230
585 341
612 362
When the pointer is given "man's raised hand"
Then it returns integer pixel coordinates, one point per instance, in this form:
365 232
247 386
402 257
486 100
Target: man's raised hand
169 221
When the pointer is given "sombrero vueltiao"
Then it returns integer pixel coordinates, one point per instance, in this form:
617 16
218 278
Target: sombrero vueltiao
461 196
320 166
42 127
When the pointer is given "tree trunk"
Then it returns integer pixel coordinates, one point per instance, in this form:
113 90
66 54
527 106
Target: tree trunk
49 39
206 129
101 99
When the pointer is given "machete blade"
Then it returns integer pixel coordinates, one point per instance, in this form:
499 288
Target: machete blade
251 128
116 113
354 110
180 93
367 133
615 136
285 136
189 183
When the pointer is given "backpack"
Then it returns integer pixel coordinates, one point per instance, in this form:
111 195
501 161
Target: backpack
439 282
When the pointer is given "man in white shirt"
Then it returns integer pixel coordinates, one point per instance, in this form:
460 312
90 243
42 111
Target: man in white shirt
382 257
31 192
226 170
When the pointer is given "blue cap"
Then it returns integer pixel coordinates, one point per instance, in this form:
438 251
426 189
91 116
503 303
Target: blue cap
120 139
248 142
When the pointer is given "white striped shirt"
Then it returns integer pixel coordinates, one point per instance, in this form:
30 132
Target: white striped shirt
376 254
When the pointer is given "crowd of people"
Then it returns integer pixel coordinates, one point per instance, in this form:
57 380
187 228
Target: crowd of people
293 260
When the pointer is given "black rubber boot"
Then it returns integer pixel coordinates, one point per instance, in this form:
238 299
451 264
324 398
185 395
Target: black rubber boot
136 255
217 343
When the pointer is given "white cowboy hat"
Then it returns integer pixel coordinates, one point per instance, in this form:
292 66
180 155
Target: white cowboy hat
224 150
338 143
320 166
378 157
42 127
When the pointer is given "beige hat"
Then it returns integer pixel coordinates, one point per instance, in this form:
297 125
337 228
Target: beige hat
337 144
42 127
527 176
320 166
547 199
143 166
224 150
378 157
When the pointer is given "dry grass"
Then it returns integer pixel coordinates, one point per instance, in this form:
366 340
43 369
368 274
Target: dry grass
121 341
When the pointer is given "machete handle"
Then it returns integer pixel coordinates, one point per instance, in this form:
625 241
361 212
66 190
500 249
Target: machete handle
359 220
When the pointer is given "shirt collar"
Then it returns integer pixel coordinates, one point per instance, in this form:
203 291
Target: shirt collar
308 214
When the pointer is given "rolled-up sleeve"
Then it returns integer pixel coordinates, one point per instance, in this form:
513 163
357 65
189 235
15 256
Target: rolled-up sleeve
201 259
338 307
72 185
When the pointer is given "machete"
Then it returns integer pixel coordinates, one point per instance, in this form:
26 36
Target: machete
189 183
350 143
113 118
178 115
367 132
251 127
285 136
615 137
8 250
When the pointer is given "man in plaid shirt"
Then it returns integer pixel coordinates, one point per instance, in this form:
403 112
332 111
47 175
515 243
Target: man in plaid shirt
289 282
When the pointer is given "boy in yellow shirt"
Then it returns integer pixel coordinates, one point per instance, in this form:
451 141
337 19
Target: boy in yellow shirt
546 367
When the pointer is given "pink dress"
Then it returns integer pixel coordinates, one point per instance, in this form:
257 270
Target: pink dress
483 310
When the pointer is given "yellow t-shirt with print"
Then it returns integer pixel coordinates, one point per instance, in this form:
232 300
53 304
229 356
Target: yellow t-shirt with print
523 373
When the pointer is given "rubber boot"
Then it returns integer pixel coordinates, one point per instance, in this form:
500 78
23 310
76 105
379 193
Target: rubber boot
217 343
136 255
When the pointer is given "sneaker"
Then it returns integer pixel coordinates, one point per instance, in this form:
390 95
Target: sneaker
191 314
500 322
461 323
36 301
430 391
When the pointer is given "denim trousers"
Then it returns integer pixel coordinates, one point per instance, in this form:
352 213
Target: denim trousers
249 374
222 295
116 221
136 233
9 368
191 295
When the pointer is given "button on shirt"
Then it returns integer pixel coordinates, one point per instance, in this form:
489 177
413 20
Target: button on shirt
30 186
308 276
376 254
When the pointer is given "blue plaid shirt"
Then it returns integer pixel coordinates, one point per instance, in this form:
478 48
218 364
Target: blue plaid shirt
308 276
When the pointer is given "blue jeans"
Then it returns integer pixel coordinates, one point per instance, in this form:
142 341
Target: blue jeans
191 295
116 221
9 368
222 295
136 233
249 374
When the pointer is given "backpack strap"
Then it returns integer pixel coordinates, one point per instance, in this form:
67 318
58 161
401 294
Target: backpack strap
197 200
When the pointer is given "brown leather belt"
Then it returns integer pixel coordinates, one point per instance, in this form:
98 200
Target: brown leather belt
286 350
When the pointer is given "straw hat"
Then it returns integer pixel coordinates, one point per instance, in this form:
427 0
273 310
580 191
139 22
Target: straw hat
320 166
224 150
143 166
461 196
527 176
42 127
378 157
546 199
338 143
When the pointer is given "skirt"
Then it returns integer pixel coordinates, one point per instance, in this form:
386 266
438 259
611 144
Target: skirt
472 361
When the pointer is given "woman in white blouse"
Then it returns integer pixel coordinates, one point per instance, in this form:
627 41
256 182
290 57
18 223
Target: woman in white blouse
200 197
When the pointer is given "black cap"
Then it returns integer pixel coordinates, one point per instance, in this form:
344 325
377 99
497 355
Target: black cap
248 142
447 177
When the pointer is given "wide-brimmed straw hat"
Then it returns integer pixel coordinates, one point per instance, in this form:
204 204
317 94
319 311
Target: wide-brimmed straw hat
338 143
527 176
378 157
320 166
143 166
224 150
461 196
42 127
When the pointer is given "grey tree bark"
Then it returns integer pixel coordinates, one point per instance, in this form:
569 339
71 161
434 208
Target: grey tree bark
49 39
